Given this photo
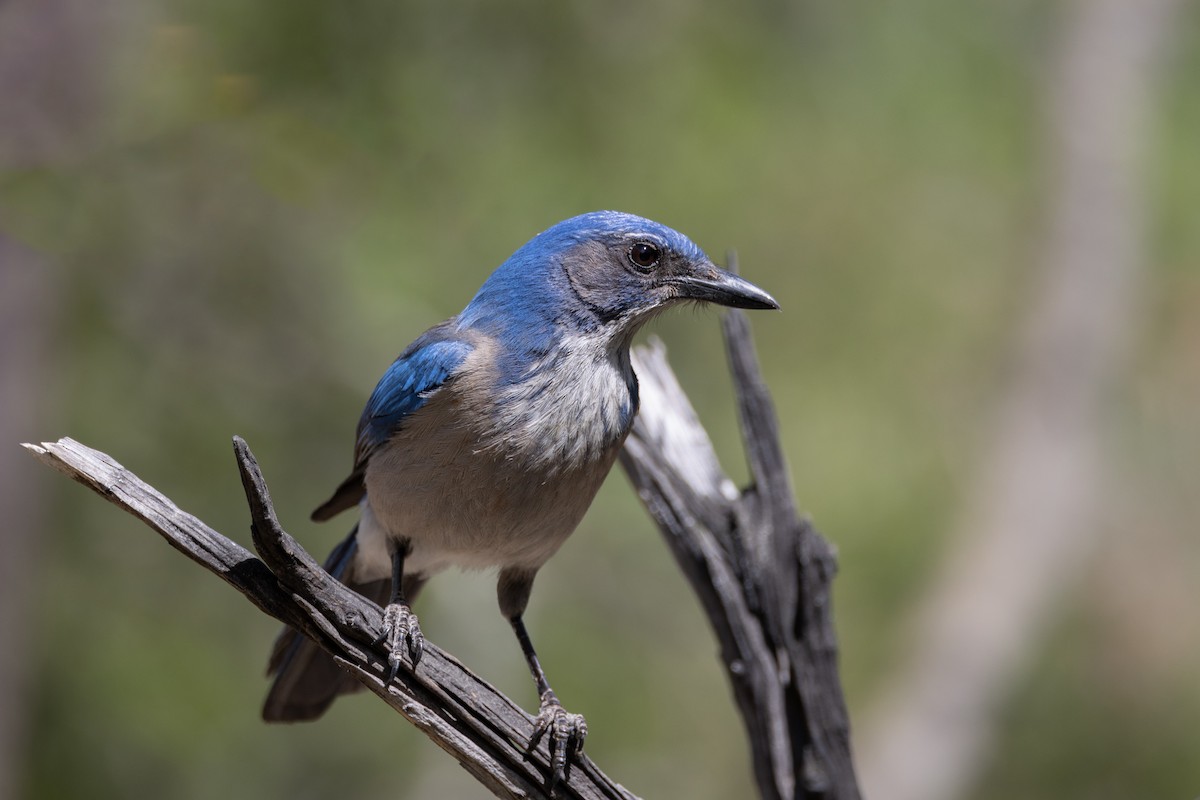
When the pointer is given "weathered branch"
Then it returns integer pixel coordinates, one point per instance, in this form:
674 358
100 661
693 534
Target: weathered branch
462 714
762 573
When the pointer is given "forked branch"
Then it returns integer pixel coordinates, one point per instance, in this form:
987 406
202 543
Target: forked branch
461 713
761 572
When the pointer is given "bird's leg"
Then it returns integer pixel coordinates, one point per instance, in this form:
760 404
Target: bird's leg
564 731
400 629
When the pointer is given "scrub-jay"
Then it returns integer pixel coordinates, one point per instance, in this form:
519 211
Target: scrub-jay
486 440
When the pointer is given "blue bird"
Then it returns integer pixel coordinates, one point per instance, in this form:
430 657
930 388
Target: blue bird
485 442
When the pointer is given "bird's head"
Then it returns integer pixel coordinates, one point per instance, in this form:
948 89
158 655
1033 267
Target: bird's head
606 271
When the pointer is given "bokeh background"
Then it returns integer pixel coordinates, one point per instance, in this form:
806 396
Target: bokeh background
226 217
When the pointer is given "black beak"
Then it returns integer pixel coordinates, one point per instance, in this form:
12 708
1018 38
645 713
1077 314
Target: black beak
724 288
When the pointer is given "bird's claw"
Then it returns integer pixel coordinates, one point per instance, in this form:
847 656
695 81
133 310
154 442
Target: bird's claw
564 734
401 632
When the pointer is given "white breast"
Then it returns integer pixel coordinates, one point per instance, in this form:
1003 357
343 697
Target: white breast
559 423
480 478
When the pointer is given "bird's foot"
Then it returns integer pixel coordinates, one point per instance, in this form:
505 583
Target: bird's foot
401 632
564 734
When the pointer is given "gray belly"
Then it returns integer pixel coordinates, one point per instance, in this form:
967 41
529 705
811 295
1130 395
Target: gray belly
461 503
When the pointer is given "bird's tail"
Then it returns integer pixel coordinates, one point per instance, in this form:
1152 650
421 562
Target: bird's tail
307 679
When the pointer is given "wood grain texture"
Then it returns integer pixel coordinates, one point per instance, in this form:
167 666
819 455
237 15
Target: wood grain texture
463 714
762 572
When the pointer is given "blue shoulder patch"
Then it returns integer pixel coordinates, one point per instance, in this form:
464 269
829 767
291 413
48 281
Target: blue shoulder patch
423 367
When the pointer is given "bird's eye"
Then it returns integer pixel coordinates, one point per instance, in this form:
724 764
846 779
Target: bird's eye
644 256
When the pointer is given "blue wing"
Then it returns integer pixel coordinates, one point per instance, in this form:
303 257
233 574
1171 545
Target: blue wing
408 383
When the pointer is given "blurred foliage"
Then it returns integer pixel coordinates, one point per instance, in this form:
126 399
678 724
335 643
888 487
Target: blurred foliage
273 198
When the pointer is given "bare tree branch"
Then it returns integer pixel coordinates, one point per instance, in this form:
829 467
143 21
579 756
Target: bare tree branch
761 572
464 715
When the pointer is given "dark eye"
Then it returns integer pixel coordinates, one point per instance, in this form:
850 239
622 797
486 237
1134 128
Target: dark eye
644 256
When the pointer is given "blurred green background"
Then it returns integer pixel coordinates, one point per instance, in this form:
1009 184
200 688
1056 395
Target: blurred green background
225 217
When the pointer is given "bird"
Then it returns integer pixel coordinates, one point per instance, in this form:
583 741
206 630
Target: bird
486 440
